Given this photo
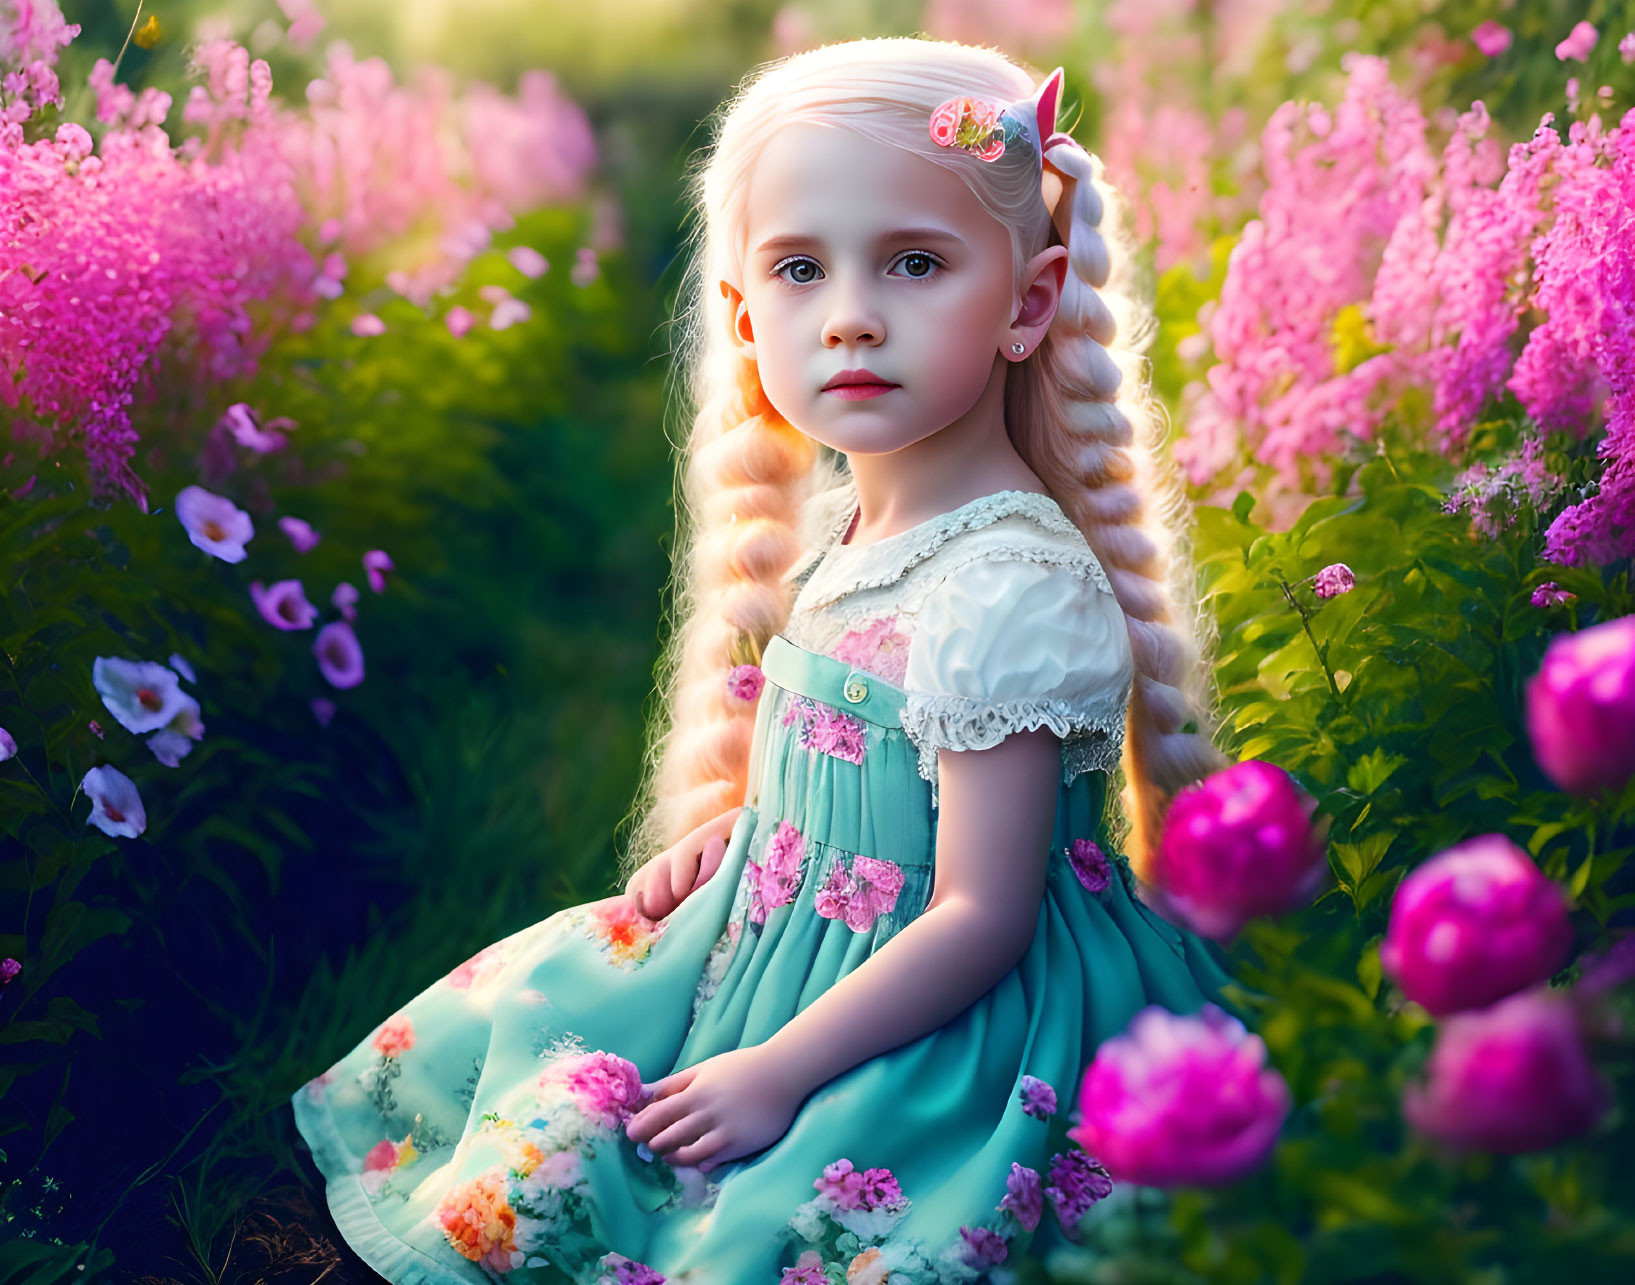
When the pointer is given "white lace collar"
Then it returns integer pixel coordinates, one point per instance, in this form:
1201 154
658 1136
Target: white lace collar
847 568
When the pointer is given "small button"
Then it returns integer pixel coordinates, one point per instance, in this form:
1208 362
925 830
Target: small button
856 689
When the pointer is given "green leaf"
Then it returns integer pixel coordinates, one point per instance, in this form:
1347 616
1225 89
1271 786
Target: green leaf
1372 770
1359 859
1242 506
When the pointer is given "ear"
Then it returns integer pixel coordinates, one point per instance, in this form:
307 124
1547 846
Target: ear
1043 279
742 330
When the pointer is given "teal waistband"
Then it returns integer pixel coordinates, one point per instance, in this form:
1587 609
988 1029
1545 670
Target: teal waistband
849 689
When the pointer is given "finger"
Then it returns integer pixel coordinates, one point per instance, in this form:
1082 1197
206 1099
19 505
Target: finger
690 1128
714 850
665 1086
683 870
695 1152
642 1126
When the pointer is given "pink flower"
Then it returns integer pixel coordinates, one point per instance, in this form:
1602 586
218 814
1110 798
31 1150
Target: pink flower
1626 47
619 1270
826 729
95 728
859 898
1509 1078
744 682
527 260
459 320
383 1155
1181 1100
301 534
377 562
323 709
1491 39
1581 708
345 599
395 1036
878 646
844 1187
776 882
1550 594
1333 580
1089 864
1473 924
585 267
984 1247
240 422
508 313
605 1086
1038 1098
1024 1196
340 658
285 605
1576 47
8 745
142 694
1239 844
116 807
214 523
9 968
804 1272
366 325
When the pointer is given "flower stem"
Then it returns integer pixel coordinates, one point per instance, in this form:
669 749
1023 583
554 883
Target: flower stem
1322 652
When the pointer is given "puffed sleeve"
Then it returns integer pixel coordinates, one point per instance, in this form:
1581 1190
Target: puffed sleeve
1006 645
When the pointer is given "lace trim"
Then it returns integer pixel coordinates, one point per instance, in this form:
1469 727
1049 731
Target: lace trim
807 563
1092 736
1082 560
845 570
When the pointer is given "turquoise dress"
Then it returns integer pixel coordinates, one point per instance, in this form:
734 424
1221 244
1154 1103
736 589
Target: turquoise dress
478 1132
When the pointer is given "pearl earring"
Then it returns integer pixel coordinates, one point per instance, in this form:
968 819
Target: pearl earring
1019 348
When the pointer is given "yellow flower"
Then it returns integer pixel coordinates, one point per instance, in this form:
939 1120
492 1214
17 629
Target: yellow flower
867 1269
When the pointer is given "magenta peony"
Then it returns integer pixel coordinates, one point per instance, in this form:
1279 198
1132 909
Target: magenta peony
1238 844
1513 1077
1473 924
1581 708
1181 1100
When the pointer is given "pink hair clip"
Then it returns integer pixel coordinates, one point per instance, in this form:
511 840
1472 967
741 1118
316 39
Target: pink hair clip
971 123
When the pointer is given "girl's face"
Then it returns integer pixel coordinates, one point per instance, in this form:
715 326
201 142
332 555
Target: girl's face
862 256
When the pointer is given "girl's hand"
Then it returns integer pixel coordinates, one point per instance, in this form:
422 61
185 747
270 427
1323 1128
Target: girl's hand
681 869
722 1108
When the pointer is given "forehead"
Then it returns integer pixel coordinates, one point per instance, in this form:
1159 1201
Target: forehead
825 181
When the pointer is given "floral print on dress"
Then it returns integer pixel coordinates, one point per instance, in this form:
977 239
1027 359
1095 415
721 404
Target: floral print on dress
858 898
826 729
1077 1181
775 882
853 1206
1089 864
715 964
878 646
625 935
1038 1098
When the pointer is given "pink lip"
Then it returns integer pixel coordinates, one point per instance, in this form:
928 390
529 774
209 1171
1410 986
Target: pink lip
855 392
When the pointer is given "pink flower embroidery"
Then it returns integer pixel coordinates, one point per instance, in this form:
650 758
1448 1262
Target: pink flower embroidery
826 729
475 968
776 882
1089 864
605 1086
842 1186
877 646
396 1035
868 891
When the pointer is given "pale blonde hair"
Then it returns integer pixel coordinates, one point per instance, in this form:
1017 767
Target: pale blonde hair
1078 409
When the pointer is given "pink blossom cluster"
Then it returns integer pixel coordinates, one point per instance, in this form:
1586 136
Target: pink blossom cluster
605 1086
1443 259
843 1186
826 729
775 883
858 898
1496 495
121 251
1580 708
878 646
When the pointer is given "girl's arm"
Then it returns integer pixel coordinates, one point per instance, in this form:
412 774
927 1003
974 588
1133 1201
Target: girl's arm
997 808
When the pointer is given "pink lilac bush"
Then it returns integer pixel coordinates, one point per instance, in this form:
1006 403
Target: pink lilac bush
1180 1100
1580 708
1473 924
123 253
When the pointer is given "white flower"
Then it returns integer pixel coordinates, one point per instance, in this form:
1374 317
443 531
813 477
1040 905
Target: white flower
8 746
214 523
171 743
142 694
116 807
180 665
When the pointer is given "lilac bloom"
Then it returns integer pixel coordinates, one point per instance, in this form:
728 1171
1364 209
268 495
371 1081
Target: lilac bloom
241 423
377 563
284 605
340 658
142 694
345 598
180 665
301 534
214 523
9 968
527 260
171 743
116 808
8 746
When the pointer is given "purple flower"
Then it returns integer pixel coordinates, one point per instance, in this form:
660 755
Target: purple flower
1333 580
377 563
585 268
323 709
1238 844
806 1274
180 665
1145 1129
142 694
744 682
1626 47
1038 1098
619 1270
984 1247
301 534
1089 863
1581 708
1473 924
241 423
345 599
8 746
1550 594
1076 1183
95 728
340 658
845 1187
171 743
214 523
1024 1196
9 968
1580 40
285 605
116 807
1512 1077
1490 39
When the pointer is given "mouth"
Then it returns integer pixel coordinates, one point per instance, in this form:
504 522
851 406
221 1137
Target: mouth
851 392
859 378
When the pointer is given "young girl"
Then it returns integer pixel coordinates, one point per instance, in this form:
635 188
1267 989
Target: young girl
834 1029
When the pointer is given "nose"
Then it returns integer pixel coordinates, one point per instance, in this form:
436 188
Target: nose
853 316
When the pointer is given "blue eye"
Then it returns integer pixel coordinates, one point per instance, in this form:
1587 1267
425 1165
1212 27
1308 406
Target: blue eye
797 261
927 263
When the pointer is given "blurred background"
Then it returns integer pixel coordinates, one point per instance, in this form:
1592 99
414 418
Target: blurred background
391 283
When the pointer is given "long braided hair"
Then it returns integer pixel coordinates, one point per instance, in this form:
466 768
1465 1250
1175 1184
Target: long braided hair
1078 410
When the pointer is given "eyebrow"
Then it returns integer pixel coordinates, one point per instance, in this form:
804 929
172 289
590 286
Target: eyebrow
792 239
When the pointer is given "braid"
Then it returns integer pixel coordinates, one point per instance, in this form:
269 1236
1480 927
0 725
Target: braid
1090 428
